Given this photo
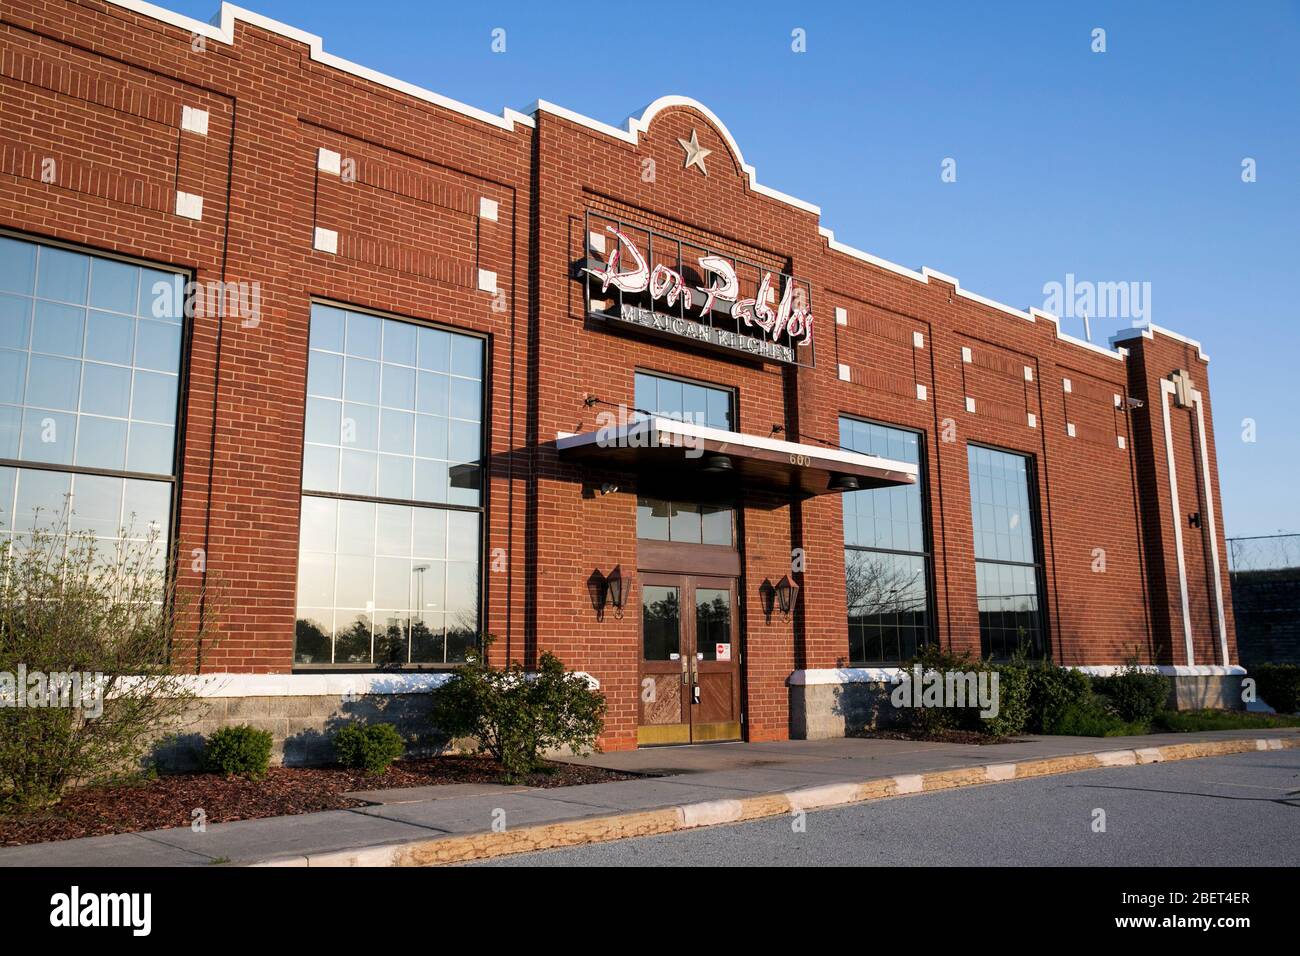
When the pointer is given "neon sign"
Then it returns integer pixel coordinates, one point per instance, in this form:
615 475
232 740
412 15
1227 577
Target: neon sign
711 311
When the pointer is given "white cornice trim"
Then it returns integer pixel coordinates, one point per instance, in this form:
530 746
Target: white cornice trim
633 127
638 123
1148 330
222 29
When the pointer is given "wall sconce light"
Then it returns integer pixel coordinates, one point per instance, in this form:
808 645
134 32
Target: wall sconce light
607 589
615 586
786 594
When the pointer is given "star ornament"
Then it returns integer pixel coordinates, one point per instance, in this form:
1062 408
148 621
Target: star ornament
695 153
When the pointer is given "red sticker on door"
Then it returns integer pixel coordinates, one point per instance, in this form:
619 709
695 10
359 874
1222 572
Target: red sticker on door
723 652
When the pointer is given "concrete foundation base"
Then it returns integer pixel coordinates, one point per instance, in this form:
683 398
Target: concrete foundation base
303 727
1217 692
819 711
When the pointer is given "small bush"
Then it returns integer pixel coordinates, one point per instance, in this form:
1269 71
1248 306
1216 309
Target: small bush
935 721
1135 695
1278 686
1052 690
371 748
1013 696
111 633
1092 718
515 716
240 751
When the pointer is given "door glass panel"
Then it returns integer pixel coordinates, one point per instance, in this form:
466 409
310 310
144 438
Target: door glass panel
660 622
713 623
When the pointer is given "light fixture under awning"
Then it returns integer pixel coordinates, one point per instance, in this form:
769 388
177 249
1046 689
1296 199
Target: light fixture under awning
665 445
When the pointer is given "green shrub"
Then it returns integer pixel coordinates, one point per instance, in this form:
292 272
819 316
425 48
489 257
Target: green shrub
1092 718
108 614
515 716
1135 695
1052 690
935 721
372 748
1278 686
1013 695
239 751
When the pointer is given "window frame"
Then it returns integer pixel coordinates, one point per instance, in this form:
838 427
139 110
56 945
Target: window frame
733 394
482 508
174 477
927 555
1036 539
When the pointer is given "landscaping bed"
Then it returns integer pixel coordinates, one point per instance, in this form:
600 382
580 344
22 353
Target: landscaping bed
169 800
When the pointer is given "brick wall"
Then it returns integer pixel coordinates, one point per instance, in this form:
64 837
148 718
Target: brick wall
101 90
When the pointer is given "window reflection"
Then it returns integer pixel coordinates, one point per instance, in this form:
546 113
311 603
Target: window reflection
685 401
886 560
1006 569
388 575
684 521
90 356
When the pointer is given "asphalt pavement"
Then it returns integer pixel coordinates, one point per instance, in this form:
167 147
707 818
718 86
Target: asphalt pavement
1239 810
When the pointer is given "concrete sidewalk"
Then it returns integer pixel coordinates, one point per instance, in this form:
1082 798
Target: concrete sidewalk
697 785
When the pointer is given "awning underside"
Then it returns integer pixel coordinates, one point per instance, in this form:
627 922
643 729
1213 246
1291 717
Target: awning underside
670 447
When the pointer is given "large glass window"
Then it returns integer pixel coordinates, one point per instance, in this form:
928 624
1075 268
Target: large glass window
391 508
90 355
886 552
685 401
1006 553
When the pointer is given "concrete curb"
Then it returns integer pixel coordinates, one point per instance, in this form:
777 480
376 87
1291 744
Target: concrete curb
459 848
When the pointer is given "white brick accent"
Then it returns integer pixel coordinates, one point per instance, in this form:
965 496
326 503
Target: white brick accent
1029 374
970 404
920 392
844 374
487 209
1069 429
487 281
1121 441
1033 420
841 316
965 354
189 205
326 240
194 120
918 340
328 161
596 241
1067 385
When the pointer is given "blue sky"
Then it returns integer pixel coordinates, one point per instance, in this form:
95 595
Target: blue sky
1122 166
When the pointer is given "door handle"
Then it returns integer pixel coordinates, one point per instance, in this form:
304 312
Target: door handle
686 670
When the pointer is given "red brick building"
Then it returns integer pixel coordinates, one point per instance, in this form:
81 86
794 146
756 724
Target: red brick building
587 389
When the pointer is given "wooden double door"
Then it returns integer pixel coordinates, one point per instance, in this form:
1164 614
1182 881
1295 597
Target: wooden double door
690 659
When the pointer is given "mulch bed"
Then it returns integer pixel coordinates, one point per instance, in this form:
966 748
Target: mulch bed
170 800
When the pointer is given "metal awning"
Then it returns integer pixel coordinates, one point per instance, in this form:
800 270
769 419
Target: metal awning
665 445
